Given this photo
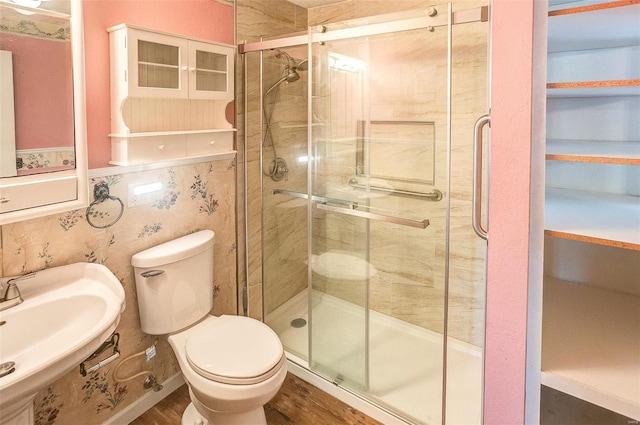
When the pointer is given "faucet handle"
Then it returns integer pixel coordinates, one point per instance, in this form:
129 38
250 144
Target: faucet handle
11 292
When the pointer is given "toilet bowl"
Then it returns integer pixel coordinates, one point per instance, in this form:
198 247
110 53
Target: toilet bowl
233 364
233 368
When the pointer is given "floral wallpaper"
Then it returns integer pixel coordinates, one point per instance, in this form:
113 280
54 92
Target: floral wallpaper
35 160
194 197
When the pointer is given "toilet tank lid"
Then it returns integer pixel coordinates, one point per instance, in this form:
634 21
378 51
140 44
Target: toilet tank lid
174 250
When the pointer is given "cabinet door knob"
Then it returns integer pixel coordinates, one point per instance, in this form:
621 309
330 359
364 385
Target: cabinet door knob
193 69
161 147
184 68
213 142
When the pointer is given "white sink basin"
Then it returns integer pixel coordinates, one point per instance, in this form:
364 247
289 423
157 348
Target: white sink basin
67 313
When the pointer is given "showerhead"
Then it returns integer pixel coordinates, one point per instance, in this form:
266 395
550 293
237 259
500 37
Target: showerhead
290 72
303 65
292 75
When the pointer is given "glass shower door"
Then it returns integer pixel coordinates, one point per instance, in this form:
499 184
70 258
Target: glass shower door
339 262
379 130
372 274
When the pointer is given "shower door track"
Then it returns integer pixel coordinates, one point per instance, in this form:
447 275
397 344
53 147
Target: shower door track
480 14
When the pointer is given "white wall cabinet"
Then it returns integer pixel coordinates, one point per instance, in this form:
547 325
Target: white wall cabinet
591 318
169 96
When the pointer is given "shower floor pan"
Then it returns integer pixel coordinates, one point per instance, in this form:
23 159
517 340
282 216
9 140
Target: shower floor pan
405 360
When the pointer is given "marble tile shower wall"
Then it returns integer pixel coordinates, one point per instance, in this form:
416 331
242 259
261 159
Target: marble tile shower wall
256 19
284 218
197 196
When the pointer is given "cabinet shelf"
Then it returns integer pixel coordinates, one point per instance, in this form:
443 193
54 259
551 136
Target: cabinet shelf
211 71
593 217
594 88
171 133
604 152
158 65
597 26
599 363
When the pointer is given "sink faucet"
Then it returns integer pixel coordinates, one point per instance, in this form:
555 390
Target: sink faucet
11 296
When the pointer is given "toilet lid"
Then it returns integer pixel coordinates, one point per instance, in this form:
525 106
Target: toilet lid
234 350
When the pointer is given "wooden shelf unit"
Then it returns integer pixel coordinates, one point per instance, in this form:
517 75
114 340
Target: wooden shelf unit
594 7
594 88
591 342
600 218
595 151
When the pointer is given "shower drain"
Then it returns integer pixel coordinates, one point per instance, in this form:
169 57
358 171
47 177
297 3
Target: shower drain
298 323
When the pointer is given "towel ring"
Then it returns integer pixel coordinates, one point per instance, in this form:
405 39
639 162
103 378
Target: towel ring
101 194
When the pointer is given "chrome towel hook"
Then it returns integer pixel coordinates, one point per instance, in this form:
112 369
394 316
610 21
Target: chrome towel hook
100 195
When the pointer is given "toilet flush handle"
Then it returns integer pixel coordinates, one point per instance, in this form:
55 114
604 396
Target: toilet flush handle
151 273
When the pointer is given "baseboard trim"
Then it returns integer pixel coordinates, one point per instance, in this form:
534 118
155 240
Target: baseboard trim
146 402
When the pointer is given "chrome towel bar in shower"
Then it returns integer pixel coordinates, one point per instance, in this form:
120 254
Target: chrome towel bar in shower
323 199
350 208
372 216
435 195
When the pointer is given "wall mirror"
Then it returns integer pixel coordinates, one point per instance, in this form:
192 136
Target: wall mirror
42 124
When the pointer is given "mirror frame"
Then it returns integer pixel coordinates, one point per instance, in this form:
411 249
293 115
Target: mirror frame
45 184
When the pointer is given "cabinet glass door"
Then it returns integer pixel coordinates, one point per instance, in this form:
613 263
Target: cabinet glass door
209 71
156 65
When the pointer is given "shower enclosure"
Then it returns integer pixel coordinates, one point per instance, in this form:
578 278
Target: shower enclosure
372 273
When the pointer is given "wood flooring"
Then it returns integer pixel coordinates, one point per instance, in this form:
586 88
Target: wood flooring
297 403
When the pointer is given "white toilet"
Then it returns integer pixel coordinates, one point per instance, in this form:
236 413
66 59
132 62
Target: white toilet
233 364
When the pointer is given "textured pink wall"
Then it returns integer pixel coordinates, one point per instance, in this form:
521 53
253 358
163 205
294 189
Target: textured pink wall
203 19
509 211
43 95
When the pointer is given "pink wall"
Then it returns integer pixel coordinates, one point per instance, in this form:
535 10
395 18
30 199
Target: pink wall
43 95
511 129
203 19
514 216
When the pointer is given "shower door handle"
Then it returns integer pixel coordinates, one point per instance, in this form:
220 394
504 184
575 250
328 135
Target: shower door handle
477 176
377 217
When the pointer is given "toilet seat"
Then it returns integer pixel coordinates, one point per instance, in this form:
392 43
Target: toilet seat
234 350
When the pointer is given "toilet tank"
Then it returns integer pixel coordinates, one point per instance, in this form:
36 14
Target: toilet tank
174 283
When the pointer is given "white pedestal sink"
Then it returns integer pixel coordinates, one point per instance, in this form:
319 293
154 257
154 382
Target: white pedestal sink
67 313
